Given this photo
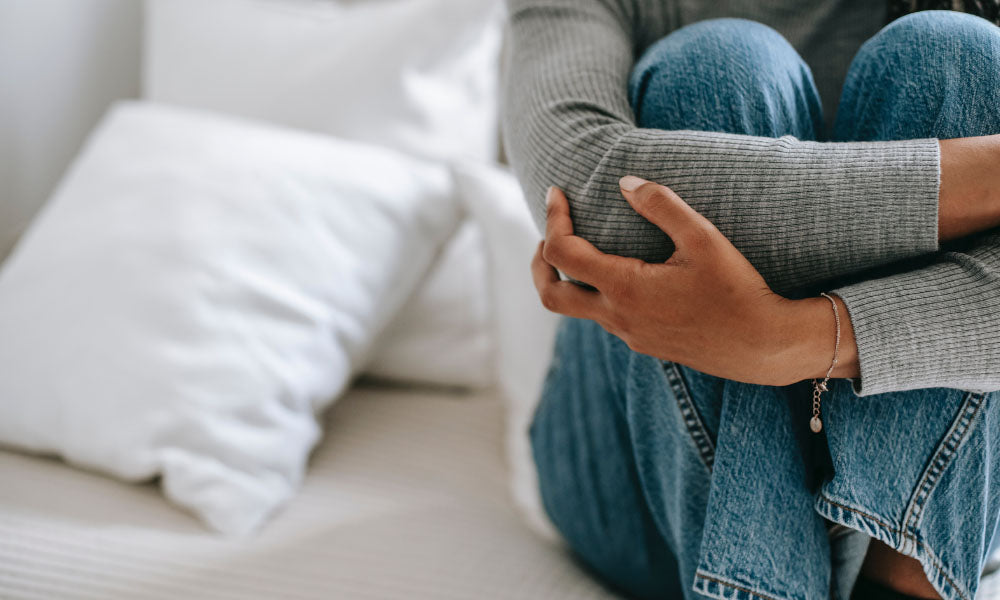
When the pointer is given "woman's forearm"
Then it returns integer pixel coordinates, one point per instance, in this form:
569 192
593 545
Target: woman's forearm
969 200
969 203
801 212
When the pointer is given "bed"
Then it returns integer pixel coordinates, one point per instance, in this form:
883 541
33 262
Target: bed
406 498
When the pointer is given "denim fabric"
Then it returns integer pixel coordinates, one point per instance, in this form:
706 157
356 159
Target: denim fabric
671 483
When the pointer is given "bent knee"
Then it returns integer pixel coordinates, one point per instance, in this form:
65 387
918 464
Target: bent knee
936 43
719 40
718 64
928 74
936 26
745 50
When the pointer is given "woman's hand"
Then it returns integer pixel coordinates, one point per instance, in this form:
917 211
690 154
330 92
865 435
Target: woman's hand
706 307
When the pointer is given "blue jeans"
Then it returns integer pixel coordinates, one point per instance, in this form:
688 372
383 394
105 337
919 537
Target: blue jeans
670 483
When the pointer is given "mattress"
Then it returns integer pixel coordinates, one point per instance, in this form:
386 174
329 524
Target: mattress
406 497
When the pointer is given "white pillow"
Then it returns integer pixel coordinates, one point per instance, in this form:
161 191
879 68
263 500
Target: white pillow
417 75
525 330
197 289
444 333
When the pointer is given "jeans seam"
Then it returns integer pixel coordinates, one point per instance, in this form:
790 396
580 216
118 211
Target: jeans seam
903 535
692 420
699 574
946 450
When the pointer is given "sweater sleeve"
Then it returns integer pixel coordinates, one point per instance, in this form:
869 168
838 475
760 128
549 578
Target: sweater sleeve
801 212
936 326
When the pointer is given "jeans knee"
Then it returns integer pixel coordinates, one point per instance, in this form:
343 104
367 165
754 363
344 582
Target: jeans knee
928 74
927 39
956 29
730 65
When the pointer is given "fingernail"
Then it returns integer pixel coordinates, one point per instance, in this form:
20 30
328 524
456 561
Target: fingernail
630 183
549 195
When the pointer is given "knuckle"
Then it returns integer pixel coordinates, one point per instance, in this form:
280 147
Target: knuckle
645 196
539 253
617 292
659 193
552 251
623 286
654 195
700 238
549 299
614 287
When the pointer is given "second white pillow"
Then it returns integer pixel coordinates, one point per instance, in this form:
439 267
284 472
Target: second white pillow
525 331
444 334
415 75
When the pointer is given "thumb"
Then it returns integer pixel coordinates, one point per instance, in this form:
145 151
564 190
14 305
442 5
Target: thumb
660 206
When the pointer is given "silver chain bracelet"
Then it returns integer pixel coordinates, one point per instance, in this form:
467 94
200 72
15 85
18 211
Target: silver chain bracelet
816 423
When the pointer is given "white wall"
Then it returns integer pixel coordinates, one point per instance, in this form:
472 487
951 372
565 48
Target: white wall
61 63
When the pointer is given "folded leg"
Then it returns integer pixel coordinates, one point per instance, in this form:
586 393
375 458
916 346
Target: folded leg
917 470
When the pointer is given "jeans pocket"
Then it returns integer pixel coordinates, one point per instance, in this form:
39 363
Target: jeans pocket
694 420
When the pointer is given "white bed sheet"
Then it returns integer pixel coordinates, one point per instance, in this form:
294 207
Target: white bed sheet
406 498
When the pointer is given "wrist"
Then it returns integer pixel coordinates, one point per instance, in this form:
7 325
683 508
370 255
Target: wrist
969 196
812 334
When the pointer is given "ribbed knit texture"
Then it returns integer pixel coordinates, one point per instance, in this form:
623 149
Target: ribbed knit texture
801 212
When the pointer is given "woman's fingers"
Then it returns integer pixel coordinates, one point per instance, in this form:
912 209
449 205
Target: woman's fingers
559 296
571 254
577 258
659 205
557 220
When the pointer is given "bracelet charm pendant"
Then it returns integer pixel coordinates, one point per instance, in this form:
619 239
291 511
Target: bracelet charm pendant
816 422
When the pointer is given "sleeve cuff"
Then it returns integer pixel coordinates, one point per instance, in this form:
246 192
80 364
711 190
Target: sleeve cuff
931 327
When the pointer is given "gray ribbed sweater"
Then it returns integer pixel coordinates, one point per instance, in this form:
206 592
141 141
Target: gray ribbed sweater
801 212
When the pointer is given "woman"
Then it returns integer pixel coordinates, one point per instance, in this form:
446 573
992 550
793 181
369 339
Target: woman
682 449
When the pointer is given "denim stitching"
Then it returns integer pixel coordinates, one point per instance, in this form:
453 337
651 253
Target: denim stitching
941 571
692 420
740 590
865 519
946 450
